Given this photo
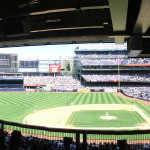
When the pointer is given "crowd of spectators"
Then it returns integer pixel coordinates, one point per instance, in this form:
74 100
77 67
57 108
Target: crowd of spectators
104 54
17 141
96 62
101 47
110 60
60 82
114 77
142 92
11 76
108 67
69 82
136 91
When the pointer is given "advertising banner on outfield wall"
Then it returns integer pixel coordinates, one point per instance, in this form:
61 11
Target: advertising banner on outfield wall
28 70
50 85
83 90
110 90
54 68
43 68
31 85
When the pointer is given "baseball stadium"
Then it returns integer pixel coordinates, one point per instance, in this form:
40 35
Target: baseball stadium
94 95
104 102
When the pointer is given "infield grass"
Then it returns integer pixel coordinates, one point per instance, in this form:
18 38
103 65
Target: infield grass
91 118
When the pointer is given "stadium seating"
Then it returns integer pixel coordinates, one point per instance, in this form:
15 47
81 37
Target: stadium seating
109 76
16 141
60 82
112 61
100 71
104 54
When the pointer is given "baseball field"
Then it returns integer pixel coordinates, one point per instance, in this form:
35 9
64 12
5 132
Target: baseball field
75 110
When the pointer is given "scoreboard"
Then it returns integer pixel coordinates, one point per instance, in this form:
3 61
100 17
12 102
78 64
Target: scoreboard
5 61
28 64
8 62
43 66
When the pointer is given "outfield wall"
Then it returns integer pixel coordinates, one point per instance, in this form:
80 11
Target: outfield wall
12 90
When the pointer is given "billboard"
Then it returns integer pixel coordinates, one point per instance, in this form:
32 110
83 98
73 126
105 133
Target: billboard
83 90
43 68
31 84
110 90
27 69
28 64
44 62
54 68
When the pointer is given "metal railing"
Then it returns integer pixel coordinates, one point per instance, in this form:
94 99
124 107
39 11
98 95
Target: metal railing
81 137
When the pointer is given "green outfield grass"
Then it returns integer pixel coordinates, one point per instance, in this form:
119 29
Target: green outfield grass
15 106
91 118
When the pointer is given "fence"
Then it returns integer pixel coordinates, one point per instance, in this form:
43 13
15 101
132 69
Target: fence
77 138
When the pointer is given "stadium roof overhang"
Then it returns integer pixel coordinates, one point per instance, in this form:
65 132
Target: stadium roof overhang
42 22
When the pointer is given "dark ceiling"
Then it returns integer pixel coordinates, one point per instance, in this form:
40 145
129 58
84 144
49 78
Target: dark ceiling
42 22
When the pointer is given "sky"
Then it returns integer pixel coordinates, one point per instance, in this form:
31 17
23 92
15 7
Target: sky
53 52
45 52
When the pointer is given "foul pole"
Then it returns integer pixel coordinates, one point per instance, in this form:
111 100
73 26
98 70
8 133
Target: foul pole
118 76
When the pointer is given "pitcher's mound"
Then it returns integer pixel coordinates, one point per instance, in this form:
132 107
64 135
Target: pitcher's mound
108 117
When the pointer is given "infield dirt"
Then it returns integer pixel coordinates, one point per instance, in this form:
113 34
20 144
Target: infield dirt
57 117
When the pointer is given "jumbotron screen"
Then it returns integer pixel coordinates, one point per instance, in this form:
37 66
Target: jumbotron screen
28 64
5 61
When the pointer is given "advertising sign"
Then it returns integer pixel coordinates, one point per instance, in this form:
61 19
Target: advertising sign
44 62
43 68
27 69
54 68
31 84
110 90
83 90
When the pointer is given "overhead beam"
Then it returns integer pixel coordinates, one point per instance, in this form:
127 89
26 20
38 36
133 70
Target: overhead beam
118 10
119 39
134 46
94 7
143 20
52 40
51 11
69 28
67 9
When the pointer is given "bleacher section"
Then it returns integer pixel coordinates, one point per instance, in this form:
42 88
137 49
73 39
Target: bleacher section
11 82
53 82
